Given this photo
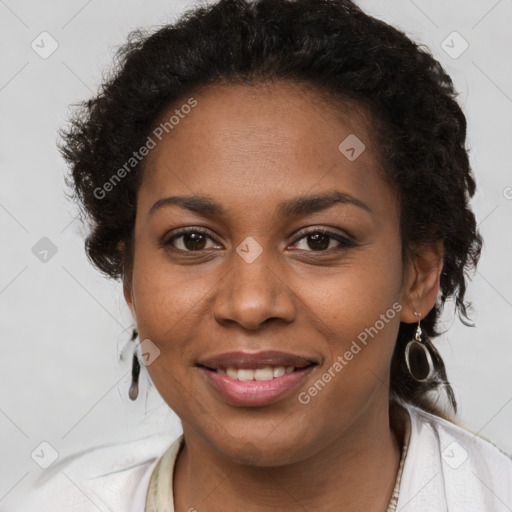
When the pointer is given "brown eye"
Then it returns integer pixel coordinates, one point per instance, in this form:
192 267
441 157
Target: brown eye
194 241
319 241
188 241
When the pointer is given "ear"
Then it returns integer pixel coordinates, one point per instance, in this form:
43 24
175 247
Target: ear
421 281
128 295
127 285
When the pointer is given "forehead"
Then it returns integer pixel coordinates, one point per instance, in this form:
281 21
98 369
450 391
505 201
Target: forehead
257 142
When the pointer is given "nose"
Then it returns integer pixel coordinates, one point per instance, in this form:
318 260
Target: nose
253 292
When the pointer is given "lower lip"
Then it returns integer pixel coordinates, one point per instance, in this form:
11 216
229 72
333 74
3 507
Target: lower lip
255 392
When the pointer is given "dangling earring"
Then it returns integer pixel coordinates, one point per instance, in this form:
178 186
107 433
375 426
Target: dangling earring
418 359
133 393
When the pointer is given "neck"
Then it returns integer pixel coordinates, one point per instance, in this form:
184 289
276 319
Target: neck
355 472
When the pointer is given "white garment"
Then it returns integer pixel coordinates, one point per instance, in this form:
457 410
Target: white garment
447 469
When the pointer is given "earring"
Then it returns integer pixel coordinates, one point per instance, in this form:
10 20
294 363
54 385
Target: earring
133 393
417 357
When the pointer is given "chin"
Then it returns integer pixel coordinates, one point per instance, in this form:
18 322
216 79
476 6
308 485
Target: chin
275 444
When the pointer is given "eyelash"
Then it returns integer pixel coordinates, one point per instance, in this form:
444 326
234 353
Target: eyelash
344 241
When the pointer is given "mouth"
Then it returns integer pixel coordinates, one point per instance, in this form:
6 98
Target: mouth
255 379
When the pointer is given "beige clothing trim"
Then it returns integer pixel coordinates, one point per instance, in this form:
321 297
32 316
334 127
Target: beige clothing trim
404 423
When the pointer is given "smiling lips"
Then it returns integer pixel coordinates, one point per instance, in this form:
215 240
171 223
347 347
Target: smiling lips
246 379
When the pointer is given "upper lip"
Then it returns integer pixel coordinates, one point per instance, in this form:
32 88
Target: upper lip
255 360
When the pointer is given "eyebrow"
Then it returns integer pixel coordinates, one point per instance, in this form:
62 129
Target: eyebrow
302 205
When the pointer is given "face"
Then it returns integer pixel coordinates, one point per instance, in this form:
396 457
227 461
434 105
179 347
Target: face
260 280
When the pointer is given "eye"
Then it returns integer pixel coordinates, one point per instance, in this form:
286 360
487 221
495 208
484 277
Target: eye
195 240
319 240
192 240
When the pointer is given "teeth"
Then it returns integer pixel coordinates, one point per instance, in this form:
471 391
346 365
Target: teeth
264 373
279 371
245 374
267 373
232 373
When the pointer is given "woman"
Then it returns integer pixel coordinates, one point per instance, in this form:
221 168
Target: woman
283 188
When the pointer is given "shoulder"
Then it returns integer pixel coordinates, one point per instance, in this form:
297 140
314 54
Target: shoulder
458 468
112 478
466 444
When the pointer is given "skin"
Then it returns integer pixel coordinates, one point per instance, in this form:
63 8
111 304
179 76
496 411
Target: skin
249 148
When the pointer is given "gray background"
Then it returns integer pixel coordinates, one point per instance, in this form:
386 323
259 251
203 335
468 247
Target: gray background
64 375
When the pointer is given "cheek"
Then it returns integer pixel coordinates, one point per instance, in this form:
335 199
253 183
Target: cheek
361 339
361 313
355 295
168 297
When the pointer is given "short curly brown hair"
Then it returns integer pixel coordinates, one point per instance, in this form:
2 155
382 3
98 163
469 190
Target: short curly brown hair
332 46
